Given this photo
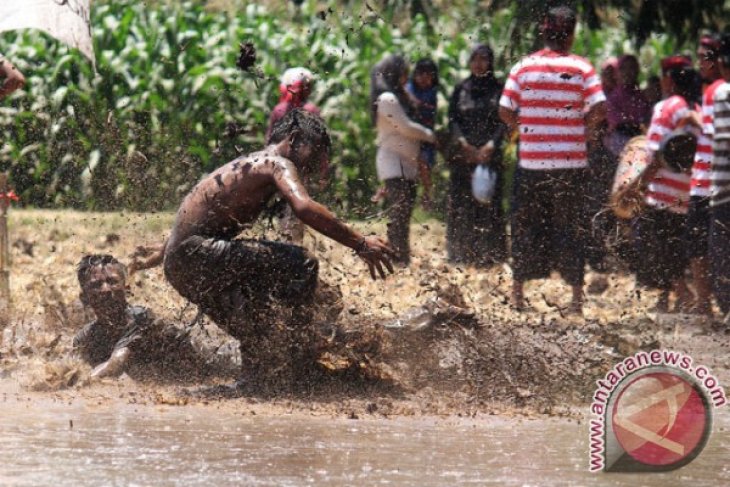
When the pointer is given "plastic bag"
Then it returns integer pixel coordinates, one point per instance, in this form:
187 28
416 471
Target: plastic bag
483 184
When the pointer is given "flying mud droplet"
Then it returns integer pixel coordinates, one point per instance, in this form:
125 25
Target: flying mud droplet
246 56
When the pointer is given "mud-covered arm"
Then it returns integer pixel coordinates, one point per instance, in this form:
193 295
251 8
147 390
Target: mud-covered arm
147 257
12 78
373 250
114 366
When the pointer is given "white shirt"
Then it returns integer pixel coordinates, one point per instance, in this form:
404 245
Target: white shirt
399 140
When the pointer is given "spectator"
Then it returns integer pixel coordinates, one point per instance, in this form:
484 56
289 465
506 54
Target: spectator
556 100
698 215
653 90
660 230
627 110
609 75
399 143
718 126
423 87
627 115
295 88
475 231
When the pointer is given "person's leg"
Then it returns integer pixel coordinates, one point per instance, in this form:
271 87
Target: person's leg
568 221
400 200
530 242
720 255
461 223
697 236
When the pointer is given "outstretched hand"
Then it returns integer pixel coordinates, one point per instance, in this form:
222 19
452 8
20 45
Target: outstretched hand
376 254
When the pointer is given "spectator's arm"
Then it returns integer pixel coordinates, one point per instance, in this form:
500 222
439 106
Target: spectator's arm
509 117
392 111
594 122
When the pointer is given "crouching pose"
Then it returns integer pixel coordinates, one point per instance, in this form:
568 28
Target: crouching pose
237 283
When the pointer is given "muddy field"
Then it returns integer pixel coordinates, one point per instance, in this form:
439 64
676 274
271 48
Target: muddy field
432 339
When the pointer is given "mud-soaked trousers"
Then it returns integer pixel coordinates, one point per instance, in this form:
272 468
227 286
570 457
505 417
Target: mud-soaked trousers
236 282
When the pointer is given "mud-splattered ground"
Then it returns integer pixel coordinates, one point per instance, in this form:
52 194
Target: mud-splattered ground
432 339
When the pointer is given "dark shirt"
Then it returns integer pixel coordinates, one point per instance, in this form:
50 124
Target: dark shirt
474 111
156 350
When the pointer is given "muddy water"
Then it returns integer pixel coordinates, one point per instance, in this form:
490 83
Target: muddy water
48 442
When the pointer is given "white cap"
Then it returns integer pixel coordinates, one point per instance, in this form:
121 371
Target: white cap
294 75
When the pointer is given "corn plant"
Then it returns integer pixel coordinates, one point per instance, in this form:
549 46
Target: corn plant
154 117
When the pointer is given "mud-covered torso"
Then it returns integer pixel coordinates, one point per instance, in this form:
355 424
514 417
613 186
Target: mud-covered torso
227 201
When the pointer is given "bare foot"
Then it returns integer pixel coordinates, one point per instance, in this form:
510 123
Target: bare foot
379 195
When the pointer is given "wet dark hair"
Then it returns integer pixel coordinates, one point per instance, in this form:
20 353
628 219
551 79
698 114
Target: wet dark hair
385 77
428 66
309 126
88 262
559 24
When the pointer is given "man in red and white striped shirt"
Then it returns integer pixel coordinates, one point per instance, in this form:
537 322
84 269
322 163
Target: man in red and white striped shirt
660 235
698 216
556 101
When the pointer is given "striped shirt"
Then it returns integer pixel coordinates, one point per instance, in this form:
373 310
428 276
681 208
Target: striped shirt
668 190
700 185
552 92
720 172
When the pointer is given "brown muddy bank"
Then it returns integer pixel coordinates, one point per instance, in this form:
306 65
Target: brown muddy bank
432 339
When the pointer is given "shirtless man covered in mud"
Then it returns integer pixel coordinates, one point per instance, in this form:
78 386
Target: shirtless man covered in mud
237 283
125 338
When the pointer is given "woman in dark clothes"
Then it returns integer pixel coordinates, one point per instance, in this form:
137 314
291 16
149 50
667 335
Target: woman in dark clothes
475 231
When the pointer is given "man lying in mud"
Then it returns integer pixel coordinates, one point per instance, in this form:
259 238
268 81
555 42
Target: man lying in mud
125 338
242 284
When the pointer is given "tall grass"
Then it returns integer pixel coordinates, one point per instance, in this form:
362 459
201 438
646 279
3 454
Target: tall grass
140 131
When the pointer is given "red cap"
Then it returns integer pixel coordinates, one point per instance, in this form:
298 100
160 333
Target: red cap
710 42
677 61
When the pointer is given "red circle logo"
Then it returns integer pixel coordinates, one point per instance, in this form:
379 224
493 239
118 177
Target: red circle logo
661 419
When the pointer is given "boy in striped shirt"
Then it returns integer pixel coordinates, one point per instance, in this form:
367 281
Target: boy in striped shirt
660 231
555 100
720 183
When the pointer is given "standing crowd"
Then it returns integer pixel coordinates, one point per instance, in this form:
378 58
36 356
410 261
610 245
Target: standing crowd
575 129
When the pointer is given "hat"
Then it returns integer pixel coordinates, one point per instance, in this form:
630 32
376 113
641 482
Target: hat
711 42
294 79
678 61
